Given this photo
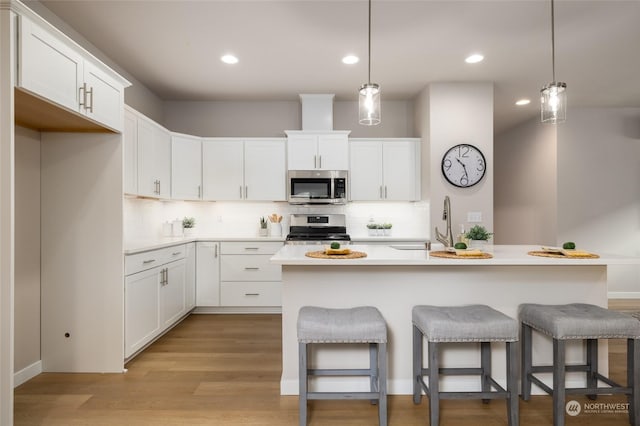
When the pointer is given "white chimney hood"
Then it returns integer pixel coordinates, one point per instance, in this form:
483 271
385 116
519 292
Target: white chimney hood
317 111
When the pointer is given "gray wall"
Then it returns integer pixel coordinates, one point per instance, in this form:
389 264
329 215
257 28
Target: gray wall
27 261
525 205
272 118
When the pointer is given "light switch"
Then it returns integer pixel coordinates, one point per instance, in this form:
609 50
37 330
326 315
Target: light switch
474 217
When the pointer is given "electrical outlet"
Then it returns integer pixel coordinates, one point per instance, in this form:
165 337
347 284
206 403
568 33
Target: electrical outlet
474 217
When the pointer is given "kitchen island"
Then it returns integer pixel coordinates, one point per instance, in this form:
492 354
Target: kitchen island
395 280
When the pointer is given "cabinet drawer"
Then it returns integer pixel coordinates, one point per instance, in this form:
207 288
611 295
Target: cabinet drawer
238 267
150 259
248 247
250 294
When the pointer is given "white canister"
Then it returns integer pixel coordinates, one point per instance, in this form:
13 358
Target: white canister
276 229
176 228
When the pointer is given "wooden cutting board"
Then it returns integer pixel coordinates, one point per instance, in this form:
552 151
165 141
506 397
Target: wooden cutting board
322 255
449 255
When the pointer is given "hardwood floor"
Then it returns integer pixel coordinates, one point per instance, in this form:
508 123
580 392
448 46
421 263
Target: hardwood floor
225 370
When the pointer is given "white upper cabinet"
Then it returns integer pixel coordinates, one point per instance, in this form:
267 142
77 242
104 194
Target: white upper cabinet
130 147
186 167
318 150
385 169
154 159
243 169
53 67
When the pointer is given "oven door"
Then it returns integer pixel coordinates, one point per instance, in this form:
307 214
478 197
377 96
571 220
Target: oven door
310 190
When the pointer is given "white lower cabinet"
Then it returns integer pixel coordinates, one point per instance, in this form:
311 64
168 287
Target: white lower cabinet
247 278
156 293
208 274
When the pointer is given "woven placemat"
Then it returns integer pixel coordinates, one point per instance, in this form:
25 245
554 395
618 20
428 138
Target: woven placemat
322 255
449 255
562 256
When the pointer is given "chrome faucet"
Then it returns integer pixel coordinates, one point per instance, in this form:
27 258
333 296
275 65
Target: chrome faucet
447 239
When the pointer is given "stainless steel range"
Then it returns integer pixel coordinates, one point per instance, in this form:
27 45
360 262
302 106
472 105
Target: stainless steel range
317 229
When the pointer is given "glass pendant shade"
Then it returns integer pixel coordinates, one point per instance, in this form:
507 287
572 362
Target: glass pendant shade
369 104
553 103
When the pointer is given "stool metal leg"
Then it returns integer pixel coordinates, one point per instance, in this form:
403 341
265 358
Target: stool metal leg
633 380
373 369
417 364
434 389
592 365
512 401
559 393
526 361
302 379
485 364
382 384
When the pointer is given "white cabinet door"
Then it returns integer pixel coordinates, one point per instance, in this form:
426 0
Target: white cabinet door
302 152
264 170
190 283
48 67
154 159
365 172
130 148
172 293
400 175
186 167
142 309
104 97
223 169
208 274
333 152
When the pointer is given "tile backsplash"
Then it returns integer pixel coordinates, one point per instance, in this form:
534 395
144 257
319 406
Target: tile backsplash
143 218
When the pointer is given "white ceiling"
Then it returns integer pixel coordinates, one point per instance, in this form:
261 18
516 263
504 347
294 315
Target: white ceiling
291 47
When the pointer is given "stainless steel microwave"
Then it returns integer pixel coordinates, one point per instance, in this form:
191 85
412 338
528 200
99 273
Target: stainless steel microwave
317 186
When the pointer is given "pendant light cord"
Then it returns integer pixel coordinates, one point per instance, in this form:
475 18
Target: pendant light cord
553 42
369 80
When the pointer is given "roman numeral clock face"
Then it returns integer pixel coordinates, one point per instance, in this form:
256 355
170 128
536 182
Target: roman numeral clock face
463 165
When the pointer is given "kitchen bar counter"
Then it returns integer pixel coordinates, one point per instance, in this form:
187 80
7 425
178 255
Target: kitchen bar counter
396 280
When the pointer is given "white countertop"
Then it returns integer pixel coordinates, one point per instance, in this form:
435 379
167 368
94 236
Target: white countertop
137 246
386 255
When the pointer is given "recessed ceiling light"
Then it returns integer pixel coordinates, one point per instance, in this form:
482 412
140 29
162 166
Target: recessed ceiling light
474 59
229 59
522 102
350 60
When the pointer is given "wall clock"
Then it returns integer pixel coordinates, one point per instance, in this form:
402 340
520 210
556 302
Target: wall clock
463 165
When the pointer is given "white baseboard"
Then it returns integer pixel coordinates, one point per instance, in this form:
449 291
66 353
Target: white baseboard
623 295
237 310
27 373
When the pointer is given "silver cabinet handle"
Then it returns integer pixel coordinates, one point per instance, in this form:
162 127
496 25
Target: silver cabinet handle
162 277
145 262
385 191
246 192
90 93
83 95
252 248
215 251
199 192
381 192
175 253
159 187
315 162
252 294
319 161
240 191
249 268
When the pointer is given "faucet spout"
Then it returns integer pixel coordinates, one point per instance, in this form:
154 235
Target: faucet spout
447 237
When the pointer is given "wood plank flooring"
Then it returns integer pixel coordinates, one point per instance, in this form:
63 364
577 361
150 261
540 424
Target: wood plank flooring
225 370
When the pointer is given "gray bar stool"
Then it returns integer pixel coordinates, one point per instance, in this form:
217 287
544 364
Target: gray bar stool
363 324
579 321
458 324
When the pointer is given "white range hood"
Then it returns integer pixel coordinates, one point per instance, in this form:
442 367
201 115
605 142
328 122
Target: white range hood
317 112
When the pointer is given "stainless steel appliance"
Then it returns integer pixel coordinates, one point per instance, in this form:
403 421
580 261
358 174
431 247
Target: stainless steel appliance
317 229
317 186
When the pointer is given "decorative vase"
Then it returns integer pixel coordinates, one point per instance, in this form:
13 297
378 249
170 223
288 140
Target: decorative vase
263 232
477 244
188 232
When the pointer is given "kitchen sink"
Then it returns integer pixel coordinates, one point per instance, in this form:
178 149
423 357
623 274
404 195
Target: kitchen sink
408 246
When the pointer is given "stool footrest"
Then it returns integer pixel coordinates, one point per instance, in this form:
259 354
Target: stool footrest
499 393
343 395
568 368
338 372
453 371
614 389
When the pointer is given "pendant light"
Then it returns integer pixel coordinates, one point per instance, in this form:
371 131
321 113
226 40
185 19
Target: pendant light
553 96
369 98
